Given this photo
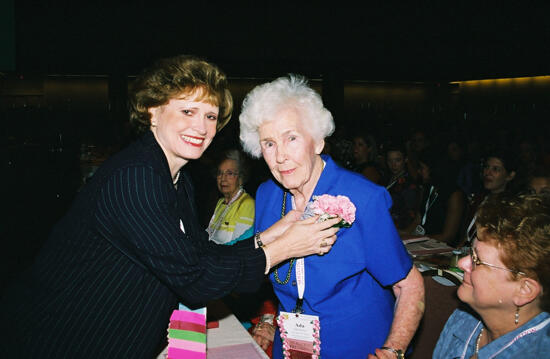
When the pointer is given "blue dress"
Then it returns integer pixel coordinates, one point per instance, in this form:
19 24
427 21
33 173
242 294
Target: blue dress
349 288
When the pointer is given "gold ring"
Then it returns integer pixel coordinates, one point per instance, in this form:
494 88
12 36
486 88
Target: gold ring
323 244
321 253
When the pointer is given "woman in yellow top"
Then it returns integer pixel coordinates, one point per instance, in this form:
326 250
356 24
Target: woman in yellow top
233 218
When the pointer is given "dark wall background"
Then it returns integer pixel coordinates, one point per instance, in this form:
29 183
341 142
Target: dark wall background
7 35
388 40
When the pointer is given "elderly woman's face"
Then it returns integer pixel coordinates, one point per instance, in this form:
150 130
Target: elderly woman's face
184 128
290 152
228 178
486 287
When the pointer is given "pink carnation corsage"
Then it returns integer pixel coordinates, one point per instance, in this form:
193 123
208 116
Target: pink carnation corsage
328 206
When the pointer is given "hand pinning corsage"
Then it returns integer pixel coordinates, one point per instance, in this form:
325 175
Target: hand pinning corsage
328 206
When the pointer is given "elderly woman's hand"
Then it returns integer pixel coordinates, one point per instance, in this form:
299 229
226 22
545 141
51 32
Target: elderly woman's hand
309 237
264 334
303 238
279 227
382 354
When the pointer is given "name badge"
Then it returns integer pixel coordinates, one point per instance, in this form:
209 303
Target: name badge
300 334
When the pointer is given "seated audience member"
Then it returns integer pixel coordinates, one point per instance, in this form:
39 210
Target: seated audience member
365 155
233 221
455 156
539 181
418 142
527 154
233 218
474 165
463 166
506 281
403 189
499 173
443 202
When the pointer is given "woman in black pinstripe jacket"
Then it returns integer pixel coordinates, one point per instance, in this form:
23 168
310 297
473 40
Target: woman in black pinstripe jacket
130 248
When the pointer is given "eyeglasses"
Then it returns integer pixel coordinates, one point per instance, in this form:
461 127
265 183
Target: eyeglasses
228 173
476 261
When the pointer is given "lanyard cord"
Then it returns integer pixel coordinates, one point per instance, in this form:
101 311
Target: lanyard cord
300 270
399 175
524 333
429 203
468 341
214 228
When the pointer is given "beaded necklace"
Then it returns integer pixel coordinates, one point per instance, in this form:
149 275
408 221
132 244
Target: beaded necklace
292 261
524 333
476 355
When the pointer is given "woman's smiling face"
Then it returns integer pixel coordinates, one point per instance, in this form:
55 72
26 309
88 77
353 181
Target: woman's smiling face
485 287
184 128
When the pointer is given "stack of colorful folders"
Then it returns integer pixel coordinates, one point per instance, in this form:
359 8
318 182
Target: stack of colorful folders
187 334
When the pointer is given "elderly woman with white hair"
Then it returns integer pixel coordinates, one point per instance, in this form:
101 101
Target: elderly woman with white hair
364 296
233 216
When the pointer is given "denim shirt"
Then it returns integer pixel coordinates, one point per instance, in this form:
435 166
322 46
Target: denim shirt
531 340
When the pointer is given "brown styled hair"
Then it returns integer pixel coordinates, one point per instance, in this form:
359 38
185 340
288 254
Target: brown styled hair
520 228
178 76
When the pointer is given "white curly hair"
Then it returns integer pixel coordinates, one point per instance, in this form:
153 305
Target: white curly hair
265 101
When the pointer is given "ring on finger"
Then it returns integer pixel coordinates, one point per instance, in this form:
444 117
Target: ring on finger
323 244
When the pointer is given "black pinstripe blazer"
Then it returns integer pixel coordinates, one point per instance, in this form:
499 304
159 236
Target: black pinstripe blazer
84 298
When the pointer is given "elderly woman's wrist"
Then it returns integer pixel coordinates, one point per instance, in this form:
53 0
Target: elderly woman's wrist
265 237
277 251
267 259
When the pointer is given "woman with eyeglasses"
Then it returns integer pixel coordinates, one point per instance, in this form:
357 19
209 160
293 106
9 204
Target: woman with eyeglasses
233 218
232 222
506 284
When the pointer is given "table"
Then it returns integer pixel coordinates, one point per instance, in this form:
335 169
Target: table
230 340
431 255
230 332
